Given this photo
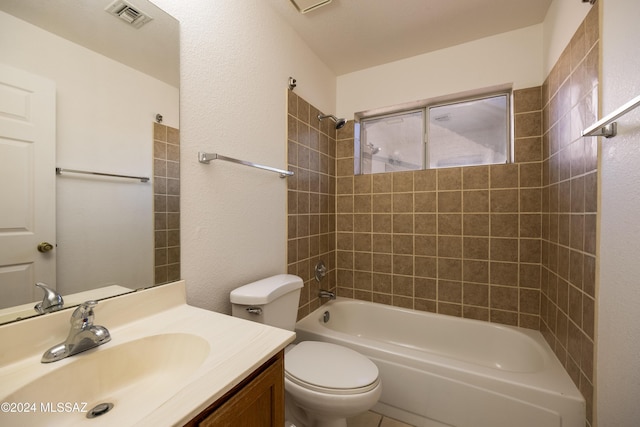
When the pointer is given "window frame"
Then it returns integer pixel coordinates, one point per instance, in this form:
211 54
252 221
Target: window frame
357 131
424 107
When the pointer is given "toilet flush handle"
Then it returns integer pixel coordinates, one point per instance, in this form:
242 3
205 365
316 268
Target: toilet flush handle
254 310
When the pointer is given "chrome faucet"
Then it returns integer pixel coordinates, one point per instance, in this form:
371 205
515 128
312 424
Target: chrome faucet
320 271
83 335
326 294
52 301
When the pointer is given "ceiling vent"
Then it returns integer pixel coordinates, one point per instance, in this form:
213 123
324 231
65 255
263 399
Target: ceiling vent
128 13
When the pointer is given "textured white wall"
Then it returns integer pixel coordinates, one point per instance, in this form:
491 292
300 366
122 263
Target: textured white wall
513 57
236 58
618 339
522 57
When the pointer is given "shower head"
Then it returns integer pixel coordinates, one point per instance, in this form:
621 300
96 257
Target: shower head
339 122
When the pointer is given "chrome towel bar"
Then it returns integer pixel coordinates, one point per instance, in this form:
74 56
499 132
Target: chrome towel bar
141 178
207 157
607 126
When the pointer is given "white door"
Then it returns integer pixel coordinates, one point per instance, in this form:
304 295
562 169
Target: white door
27 185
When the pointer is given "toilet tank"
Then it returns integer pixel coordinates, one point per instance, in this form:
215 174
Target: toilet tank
272 301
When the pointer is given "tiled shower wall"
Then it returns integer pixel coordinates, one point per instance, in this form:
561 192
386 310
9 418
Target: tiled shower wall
458 241
462 241
166 202
569 207
311 146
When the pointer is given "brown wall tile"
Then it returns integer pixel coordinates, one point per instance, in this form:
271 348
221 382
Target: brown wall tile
424 215
475 177
166 188
569 188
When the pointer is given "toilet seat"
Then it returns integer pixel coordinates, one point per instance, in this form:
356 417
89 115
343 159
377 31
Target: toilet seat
330 368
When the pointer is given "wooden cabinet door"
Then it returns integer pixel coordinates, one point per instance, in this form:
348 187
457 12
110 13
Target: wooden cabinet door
260 403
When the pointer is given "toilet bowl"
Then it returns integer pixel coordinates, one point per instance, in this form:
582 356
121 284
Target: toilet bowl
330 383
324 383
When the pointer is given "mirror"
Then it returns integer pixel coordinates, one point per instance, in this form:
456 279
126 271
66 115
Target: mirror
113 109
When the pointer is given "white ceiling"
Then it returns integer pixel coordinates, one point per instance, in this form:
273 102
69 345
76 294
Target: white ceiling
350 35
347 35
152 49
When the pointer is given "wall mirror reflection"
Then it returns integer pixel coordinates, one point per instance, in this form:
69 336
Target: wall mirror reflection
89 86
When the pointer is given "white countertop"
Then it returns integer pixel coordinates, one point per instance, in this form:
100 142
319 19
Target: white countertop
236 348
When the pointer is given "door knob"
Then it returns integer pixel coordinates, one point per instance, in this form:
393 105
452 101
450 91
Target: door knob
45 247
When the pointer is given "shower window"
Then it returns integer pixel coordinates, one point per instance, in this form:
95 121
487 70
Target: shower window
472 131
392 143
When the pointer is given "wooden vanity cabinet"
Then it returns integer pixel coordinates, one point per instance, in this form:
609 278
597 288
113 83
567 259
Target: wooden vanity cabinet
258 401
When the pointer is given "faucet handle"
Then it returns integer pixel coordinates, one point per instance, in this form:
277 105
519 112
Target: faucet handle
51 300
83 315
320 271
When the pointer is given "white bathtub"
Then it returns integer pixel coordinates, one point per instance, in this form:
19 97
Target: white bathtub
441 370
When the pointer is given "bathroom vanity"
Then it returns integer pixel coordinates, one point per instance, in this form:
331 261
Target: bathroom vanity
167 364
256 401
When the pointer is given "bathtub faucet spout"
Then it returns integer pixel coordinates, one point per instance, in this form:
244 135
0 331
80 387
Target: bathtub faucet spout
326 294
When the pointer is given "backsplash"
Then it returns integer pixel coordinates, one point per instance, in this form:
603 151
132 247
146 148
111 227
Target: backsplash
166 203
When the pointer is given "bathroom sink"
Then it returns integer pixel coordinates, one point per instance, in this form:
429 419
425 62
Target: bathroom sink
133 376
165 364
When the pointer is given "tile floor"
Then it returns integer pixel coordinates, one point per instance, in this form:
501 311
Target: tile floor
371 419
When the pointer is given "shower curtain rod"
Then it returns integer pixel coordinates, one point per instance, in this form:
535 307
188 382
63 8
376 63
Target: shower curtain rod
207 157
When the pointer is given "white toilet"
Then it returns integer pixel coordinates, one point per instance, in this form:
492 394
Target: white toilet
324 383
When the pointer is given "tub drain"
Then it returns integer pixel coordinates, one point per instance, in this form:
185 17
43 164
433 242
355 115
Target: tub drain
99 409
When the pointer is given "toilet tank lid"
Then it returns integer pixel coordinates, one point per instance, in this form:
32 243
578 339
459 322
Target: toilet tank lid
266 290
